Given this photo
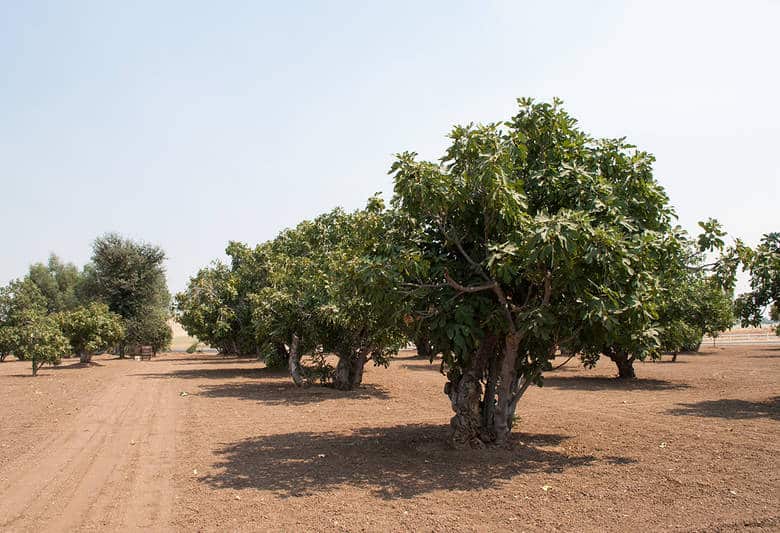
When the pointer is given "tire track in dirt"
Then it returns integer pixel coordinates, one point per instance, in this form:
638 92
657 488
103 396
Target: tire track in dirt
111 467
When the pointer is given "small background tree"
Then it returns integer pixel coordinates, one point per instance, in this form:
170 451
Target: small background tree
129 277
90 329
763 264
40 341
58 282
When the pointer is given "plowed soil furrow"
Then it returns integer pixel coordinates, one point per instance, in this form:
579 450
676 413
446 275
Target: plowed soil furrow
102 470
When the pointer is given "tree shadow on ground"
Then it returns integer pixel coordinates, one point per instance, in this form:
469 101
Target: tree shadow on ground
731 409
768 353
75 365
286 393
595 383
202 358
220 373
71 365
391 462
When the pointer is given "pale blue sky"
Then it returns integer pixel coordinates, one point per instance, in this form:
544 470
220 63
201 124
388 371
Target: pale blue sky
189 124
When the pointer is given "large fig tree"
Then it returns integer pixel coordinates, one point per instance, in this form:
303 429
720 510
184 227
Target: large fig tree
532 235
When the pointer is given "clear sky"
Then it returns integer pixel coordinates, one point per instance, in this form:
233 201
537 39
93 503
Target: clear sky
188 124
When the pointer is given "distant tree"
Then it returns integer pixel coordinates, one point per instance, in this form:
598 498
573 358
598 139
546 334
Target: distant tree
695 307
149 328
58 283
129 277
8 341
39 340
216 307
423 344
90 329
19 299
763 264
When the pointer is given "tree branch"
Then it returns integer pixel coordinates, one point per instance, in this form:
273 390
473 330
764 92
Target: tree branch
476 288
547 288
426 285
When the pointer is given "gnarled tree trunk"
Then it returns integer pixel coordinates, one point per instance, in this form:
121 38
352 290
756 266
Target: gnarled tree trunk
485 419
423 345
85 357
294 361
281 351
502 419
624 362
349 370
468 427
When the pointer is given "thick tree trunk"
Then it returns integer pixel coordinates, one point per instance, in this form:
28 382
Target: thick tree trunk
489 402
502 420
85 357
423 346
356 378
349 370
624 363
341 374
626 368
281 351
295 362
3 356
465 393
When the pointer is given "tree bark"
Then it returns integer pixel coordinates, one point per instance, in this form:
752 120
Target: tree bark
281 351
626 368
624 363
465 393
489 400
349 370
85 357
423 346
502 423
356 378
295 362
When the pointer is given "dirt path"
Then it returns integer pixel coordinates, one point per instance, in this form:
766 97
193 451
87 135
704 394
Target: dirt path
107 467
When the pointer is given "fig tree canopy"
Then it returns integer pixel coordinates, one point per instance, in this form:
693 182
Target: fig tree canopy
332 288
533 235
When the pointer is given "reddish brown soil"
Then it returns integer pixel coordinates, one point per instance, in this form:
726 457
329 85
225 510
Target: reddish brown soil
692 445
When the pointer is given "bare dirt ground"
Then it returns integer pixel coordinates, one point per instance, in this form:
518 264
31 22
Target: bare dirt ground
692 445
